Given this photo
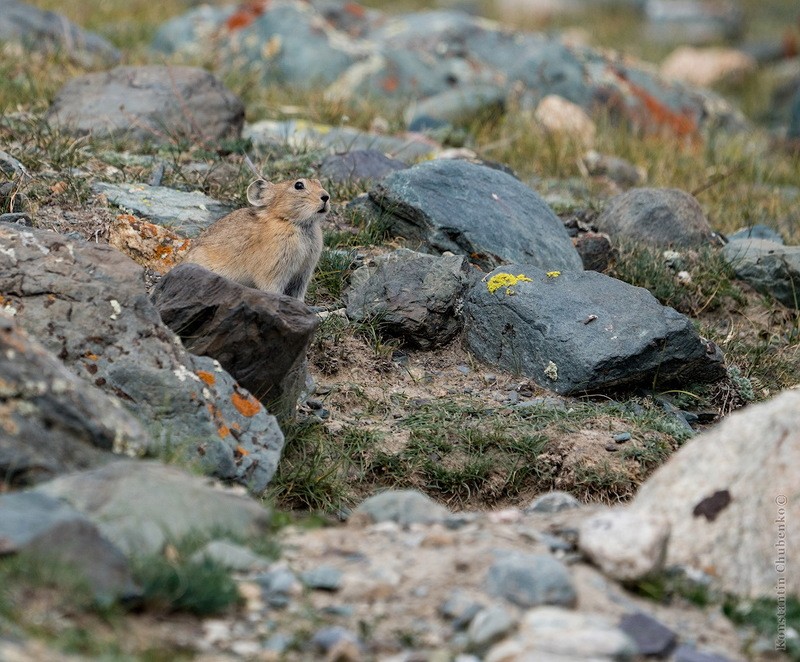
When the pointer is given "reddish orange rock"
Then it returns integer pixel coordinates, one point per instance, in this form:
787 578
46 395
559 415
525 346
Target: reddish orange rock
153 246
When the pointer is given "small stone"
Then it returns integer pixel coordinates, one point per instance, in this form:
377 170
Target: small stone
464 370
622 437
402 506
562 117
625 545
325 578
330 637
650 636
460 608
279 586
528 580
611 448
488 626
231 556
279 643
552 502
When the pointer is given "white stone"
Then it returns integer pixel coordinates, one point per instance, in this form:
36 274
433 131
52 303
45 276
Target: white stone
625 545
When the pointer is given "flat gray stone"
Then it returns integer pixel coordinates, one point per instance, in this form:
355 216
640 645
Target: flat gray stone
488 626
186 212
358 166
141 505
474 210
553 502
231 556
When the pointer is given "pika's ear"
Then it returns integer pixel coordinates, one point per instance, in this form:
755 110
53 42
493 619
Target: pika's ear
260 193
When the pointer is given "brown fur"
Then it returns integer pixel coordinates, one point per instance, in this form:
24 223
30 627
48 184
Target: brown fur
273 246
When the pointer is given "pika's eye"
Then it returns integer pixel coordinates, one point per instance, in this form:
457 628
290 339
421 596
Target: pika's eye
299 186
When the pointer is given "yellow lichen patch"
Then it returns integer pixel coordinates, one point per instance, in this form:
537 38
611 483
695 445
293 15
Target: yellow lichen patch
553 274
505 280
246 406
206 377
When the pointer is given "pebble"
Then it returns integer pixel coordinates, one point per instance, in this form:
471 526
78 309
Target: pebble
552 502
464 370
622 437
278 586
488 626
327 638
324 578
528 580
652 638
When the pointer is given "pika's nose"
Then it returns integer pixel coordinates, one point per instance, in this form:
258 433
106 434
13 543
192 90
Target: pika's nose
325 197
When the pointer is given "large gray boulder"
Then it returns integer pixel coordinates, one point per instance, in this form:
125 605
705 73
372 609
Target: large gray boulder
660 217
730 496
87 303
260 338
151 104
770 267
141 505
413 296
48 32
474 210
582 331
49 530
53 421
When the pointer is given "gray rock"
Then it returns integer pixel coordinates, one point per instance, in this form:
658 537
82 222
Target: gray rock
87 304
259 338
188 213
738 476
651 637
402 506
529 580
461 608
149 104
552 502
793 132
488 626
324 578
757 231
48 32
328 638
360 166
190 33
693 21
769 267
583 331
54 421
335 139
414 296
278 586
140 505
618 170
469 209
661 217
596 251
552 631
451 106
51 530
231 556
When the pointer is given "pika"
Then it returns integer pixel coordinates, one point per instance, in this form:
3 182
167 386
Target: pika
274 245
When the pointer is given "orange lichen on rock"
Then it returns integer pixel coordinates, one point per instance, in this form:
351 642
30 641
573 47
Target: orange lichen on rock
153 246
354 9
655 114
246 405
246 14
390 83
241 451
223 431
206 377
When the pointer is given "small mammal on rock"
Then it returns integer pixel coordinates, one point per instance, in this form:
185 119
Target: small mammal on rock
274 245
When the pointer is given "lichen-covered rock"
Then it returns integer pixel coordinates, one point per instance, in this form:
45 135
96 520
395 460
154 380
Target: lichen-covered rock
150 245
88 305
51 421
582 331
